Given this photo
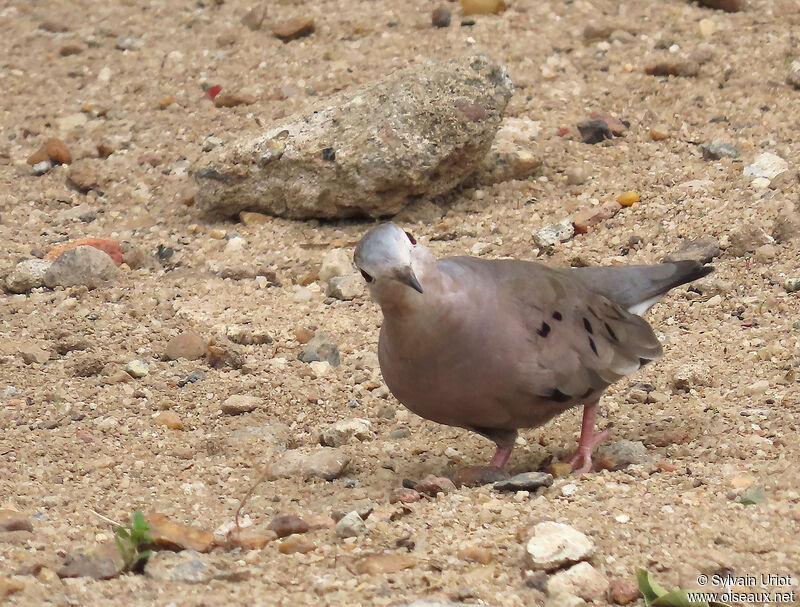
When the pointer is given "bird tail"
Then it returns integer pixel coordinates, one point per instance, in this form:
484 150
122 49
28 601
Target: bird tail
639 287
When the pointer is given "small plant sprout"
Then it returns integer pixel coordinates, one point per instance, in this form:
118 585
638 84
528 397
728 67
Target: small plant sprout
131 539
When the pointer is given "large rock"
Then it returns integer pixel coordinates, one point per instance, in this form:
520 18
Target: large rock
419 132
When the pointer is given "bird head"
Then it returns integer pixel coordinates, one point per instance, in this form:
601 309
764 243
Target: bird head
385 257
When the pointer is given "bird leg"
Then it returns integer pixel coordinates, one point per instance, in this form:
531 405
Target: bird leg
589 440
474 476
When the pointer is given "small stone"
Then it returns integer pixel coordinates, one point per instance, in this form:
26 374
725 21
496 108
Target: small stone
554 545
376 564
476 554
577 175
137 369
621 454
109 246
27 275
252 220
591 216
326 463
217 234
623 591
477 476
194 376
232 99
701 250
766 165
71 48
84 265
482 7
336 262
250 539
11 520
167 101
88 565
405 495
292 29
717 151
792 285
169 419
689 376
9 586
399 433
527 481
594 131
433 485
53 150
707 28
793 75
188 567
321 347
351 525
345 288
169 535
758 387
440 17
245 335
626 199
188 345
560 469
729 6
287 524
31 353
582 580
614 124
746 239
659 133
129 43
766 253
296 544
303 335
551 235
687 69
254 17
343 431
237 404
222 353
40 168
562 599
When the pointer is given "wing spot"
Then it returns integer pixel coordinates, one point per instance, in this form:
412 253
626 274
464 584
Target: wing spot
587 325
544 330
557 316
592 345
611 333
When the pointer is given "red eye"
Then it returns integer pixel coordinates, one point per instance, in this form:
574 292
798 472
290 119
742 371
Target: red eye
411 238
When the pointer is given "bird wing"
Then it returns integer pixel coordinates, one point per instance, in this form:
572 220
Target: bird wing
579 340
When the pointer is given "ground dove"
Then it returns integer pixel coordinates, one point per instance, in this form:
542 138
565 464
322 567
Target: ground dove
498 345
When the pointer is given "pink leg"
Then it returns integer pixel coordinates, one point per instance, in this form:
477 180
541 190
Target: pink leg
589 440
501 456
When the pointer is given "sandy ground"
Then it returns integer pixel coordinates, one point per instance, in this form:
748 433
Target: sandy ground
71 445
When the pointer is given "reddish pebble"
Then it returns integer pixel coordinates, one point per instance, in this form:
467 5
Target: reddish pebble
405 496
213 91
108 245
287 524
433 485
563 131
54 150
623 591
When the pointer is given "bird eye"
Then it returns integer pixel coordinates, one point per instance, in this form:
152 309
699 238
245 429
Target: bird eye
411 238
366 276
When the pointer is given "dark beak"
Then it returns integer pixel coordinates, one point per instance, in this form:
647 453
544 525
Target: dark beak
406 276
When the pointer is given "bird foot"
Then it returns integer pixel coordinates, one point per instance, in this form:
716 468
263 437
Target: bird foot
581 461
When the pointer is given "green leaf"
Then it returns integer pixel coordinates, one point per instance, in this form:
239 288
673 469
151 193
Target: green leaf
648 587
677 598
753 497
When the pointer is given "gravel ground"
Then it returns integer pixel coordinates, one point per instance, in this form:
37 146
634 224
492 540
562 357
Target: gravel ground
718 414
